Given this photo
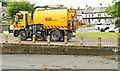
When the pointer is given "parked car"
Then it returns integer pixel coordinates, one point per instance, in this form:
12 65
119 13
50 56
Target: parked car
11 29
113 29
97 26
100 26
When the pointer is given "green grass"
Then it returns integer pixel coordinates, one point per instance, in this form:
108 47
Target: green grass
88 34
0 20
98 34
6 34
86 26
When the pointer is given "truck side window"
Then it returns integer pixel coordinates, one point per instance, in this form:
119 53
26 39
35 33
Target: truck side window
17 19
20 18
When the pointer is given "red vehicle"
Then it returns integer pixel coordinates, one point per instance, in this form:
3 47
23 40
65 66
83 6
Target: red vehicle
82 22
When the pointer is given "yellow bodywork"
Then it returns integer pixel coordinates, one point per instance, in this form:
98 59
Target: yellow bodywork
50 18
71 13
56 18
22 22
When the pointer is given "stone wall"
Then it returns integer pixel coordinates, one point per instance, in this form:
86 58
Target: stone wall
14 48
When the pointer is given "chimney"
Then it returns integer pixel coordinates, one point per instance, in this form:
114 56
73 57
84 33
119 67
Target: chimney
86 7
78 8
100 4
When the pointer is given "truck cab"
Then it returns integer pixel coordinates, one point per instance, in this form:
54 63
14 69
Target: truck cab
22 21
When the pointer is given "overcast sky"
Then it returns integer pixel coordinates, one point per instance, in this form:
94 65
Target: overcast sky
73 3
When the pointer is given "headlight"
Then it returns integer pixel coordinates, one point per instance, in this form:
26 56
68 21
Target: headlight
30 27
38 32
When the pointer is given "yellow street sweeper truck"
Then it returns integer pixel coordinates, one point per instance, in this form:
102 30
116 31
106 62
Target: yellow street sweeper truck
44 21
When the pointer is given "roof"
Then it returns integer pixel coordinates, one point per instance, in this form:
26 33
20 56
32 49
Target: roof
79 12
95 10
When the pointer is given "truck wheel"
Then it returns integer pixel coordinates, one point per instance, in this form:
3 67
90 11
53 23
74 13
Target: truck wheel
23 35
102 30
55 35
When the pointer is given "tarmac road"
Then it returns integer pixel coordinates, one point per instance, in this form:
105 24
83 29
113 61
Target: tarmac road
56 62
75 40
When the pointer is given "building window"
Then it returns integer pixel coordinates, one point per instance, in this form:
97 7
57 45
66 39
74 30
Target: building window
82 12
99 15
99 20
83 20
86 15
92 15
89 15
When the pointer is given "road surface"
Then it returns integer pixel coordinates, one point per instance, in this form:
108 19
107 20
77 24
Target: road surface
75 40
57 62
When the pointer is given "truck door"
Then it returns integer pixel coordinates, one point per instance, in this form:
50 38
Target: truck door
26 20
19 22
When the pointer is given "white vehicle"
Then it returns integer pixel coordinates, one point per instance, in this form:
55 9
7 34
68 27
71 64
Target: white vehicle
97 26
113 28
102 26
11 29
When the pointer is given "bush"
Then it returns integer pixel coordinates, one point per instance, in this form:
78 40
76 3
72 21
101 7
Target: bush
15 7
0 20
8 23
117 23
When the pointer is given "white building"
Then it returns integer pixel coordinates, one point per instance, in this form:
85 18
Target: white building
93 15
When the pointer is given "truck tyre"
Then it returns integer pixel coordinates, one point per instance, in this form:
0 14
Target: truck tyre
102 30
55 35
23 35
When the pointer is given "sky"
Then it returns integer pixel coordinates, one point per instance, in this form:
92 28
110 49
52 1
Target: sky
72 3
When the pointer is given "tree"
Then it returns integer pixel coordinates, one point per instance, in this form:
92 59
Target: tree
15 7
116 13
114 10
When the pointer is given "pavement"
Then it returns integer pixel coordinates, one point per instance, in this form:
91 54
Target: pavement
74 41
